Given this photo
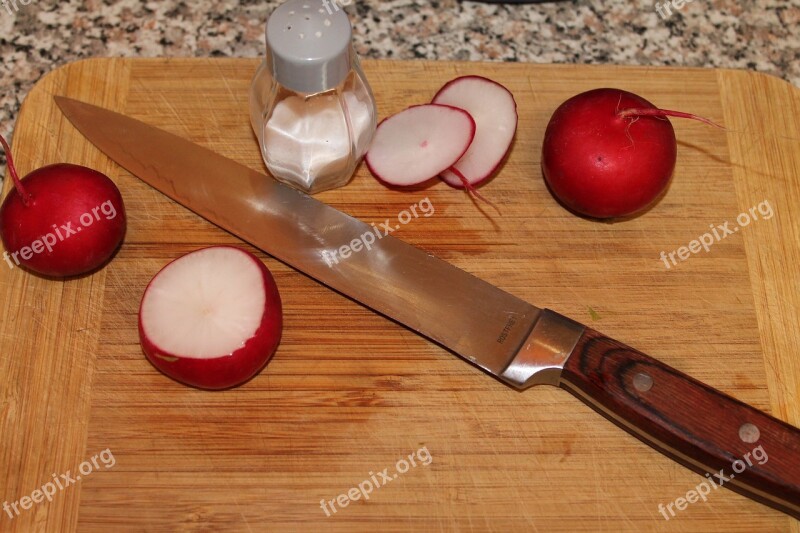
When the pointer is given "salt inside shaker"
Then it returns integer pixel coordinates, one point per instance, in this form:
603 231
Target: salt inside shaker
311 107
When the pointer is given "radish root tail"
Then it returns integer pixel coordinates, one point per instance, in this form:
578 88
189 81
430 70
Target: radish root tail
654 112
471 190
26 198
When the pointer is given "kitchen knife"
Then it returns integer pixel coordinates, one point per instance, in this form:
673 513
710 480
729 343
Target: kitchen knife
507 337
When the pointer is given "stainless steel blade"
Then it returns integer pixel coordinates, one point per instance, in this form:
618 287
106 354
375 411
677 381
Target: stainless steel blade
474 319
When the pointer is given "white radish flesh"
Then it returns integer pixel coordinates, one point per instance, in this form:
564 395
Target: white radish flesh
212 318
214 300
419 143
494 110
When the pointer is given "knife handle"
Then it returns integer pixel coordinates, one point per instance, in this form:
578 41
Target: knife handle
736 446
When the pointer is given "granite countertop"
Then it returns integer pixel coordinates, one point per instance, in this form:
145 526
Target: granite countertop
760 35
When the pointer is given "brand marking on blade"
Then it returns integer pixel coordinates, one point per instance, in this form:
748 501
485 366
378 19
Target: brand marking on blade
506 330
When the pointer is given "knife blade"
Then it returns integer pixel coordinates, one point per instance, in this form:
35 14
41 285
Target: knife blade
515 341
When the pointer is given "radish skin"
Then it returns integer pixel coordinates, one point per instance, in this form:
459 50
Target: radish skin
61 220
603 165
609 153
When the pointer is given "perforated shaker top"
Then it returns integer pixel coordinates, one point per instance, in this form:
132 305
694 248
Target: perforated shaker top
309 45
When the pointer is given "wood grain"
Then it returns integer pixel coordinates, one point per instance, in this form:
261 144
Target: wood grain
348 392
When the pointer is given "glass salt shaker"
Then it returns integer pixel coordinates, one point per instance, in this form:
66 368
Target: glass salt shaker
310 104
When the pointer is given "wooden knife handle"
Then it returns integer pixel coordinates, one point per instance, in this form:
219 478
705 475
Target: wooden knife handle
738 446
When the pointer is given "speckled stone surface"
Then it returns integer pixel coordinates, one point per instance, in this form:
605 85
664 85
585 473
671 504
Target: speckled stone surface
762 35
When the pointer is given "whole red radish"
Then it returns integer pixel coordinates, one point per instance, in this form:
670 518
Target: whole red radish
212 318
609 153
61 220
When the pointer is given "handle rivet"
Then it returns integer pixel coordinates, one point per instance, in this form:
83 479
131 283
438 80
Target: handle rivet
643 382
749 433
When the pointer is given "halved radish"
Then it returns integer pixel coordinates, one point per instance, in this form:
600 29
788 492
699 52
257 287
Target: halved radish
494 110
212 318
419 143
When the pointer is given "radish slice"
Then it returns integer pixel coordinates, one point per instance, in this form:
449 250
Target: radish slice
212 318
494 110
419 143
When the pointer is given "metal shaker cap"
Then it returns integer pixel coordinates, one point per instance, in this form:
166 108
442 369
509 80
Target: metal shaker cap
309 45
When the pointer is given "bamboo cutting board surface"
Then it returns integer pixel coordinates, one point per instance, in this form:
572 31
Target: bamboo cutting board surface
350 393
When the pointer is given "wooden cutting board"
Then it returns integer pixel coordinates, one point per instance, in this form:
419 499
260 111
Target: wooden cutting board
350 393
